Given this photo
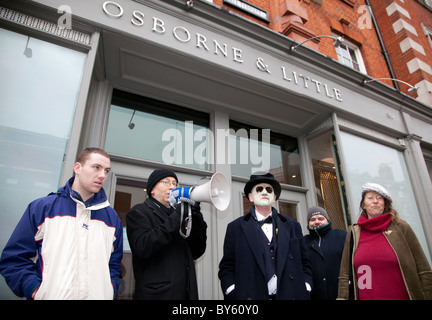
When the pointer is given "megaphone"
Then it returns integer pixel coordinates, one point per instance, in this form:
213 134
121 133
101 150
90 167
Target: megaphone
217 191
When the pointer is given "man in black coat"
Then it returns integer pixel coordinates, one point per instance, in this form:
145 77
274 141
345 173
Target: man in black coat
163 260
264 258
325 246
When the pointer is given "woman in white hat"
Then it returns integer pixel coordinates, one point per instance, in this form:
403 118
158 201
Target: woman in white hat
382 258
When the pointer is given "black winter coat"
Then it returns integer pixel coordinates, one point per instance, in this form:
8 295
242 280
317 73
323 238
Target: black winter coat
325 246
243 261
163 261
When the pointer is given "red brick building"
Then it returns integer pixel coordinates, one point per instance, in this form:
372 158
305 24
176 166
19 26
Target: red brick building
388 39
406 29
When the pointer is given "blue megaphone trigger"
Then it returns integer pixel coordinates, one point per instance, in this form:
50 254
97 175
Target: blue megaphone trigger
178 193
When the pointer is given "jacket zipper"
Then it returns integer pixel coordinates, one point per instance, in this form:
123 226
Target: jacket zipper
319 242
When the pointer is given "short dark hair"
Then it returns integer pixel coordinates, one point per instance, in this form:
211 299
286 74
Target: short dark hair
83 155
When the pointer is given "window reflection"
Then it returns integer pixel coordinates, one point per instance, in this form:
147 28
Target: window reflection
288 209
157 131
252 151
39 83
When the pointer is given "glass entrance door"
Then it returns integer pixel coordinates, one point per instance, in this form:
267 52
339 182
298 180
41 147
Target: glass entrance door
127 194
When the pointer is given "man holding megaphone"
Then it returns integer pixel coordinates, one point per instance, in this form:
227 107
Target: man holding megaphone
163 259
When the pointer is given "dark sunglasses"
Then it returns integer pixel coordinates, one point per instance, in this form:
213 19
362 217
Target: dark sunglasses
260 189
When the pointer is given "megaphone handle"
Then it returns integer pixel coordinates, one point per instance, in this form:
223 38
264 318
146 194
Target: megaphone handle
189 201
188 220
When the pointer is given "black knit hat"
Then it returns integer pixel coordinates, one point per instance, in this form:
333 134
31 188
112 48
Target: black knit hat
262 178
157 176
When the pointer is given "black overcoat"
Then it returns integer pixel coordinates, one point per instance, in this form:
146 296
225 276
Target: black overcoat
325 246
242 263
163 261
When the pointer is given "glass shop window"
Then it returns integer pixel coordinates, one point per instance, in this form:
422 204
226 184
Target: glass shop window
327 187
39 85
253 149
148 129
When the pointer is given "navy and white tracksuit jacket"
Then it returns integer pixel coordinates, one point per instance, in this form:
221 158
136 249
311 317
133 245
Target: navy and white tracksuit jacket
71 251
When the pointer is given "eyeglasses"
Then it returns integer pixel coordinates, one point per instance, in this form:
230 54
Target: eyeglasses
374 197
167 183
260 189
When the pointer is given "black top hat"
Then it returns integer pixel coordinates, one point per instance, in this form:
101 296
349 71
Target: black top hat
262 178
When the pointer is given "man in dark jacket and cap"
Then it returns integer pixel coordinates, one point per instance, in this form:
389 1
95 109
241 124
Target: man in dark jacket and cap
325 246
264 256
163 259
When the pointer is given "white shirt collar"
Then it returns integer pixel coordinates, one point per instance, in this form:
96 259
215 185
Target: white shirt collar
260 217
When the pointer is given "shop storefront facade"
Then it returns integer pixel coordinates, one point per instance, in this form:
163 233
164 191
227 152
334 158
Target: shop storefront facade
198 90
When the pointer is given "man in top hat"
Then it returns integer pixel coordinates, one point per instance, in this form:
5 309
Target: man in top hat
264 256
163 260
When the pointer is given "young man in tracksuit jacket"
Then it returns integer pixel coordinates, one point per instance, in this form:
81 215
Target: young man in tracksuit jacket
69 244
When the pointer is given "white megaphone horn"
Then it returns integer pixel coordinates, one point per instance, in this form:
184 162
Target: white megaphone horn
217 191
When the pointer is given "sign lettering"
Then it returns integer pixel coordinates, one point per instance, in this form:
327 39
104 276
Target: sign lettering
187 36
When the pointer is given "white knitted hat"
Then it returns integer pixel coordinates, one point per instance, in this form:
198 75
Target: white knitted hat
376 188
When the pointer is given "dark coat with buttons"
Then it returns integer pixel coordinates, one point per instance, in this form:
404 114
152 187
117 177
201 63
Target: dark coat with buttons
243 264
325 246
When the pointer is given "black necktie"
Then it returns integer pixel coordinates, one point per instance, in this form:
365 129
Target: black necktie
266 220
